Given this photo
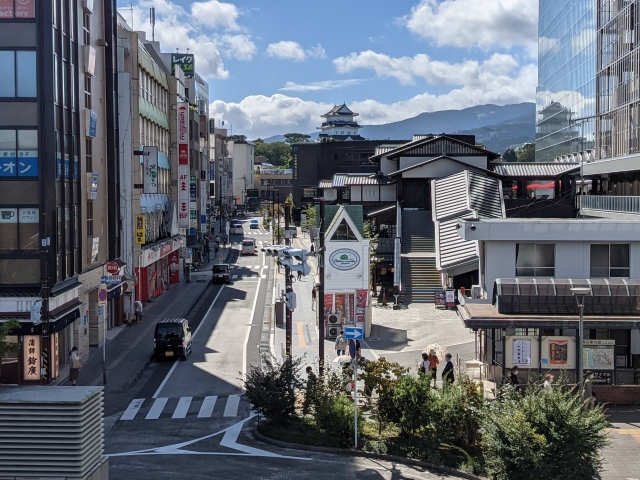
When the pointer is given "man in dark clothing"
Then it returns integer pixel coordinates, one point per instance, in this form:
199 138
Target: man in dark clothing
447 374
312 387
513 378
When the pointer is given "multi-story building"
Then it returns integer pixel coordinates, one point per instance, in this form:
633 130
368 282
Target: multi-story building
339 125
566 93
243 160
268 178
58 179
221 176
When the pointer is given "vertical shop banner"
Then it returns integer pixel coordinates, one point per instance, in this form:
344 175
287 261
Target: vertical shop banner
362 300
328 303
183 133
340 305
141 228
351 308
558 352
150 159
31 357
193 202
183 196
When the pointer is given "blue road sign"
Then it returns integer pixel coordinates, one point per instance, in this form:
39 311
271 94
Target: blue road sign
353 333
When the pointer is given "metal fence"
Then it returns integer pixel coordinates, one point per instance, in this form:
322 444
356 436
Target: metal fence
609 203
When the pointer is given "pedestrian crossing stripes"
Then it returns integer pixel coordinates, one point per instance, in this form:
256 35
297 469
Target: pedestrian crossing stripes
186 407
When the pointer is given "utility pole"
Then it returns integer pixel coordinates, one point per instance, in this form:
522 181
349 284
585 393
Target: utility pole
46 338
321 292
289 287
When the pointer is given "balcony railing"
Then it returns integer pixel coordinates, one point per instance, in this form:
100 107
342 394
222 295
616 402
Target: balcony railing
608 203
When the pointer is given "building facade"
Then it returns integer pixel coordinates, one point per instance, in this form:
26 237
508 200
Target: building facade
242 176
59 179
339 125
566 93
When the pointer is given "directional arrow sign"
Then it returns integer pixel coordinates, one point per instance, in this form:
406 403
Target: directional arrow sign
354 333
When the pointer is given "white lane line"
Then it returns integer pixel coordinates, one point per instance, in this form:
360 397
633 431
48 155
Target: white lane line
253 312
206 410
264 266
257 267
183 407
244 276
175 364
231 408
132 409
156 409
234 277
263 276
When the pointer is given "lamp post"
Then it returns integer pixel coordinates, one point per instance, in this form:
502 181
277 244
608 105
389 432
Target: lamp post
579 293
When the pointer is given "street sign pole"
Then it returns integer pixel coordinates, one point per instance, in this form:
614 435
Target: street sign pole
355 403
102 305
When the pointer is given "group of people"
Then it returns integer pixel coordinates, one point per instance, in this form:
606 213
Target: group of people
342 345
429 366
588 394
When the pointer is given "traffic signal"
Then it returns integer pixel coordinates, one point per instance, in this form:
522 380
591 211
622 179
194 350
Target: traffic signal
286 256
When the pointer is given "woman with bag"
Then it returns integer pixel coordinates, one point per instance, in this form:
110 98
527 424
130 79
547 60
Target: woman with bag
75 367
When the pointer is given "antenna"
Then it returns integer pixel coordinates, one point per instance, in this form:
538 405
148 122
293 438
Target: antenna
152 21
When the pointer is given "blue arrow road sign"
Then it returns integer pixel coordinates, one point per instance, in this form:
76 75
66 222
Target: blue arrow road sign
353 333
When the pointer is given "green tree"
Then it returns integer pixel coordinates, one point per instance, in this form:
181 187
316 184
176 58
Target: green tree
238 138
310 212
509 155
526 153
292 138
276 153
5 330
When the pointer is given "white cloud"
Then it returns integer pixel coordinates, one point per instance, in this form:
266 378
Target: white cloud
475 23
262 116
434 72
289 50
319 86
238 46
215 14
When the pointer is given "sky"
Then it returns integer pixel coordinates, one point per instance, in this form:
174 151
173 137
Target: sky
275 66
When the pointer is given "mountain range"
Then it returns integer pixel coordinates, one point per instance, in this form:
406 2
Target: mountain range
496 127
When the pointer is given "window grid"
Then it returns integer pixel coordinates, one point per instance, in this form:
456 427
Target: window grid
89 219
535 260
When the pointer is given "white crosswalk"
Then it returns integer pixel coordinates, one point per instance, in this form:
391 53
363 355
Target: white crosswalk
186 407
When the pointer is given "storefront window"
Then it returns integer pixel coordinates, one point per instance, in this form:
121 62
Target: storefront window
18 153
17 9
19 271
19 74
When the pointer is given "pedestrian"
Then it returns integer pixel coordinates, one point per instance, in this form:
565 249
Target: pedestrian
433 365
447 374
513 378
299 274
358 347
217 239
341 344
548 380
423 366
587 391
314 295
216 249
313 249
75 365
224 241
310 393
137 310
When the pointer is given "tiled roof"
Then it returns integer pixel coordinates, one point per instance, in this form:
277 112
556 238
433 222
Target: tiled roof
346 179
533 169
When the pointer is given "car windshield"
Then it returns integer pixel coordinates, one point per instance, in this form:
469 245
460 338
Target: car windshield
168 330
220 269
254 221
247 243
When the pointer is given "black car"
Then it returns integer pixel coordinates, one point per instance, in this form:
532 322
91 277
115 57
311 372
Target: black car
172 338
221 273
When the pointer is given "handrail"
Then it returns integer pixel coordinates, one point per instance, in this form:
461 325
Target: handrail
609 203
397 259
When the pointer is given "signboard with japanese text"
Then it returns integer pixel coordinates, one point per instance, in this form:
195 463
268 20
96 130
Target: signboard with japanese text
183 196
93 186
21 163
150 163
141 228
193 218
183 133
598 354
31 357
92 124
29 215
185 61
521 351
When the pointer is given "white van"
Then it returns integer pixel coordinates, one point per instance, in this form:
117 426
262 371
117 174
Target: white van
249 246
236 229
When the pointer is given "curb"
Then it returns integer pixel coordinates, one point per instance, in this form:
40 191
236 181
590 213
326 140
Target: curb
357 453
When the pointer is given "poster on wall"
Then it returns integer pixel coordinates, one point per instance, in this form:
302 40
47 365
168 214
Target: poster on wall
558 352
598 354
340 305
31 357
522 352
150 159
328 303
362 300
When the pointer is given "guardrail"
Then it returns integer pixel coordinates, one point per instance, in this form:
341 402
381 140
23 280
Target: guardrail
609 203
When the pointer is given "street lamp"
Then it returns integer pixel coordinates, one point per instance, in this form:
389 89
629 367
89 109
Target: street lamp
579 293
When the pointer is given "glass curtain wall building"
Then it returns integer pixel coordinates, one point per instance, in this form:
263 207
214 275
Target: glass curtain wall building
566 93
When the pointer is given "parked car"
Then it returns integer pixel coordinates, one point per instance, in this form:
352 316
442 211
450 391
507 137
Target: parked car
172 338
249 246
293 231
236 228
254 223
221 273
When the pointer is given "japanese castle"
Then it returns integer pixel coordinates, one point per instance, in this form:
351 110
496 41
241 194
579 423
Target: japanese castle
339 125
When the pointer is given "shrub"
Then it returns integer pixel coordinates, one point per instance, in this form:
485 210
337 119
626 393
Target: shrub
272 390
412 399
335 417
543 435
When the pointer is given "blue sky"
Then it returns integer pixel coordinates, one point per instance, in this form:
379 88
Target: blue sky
274 66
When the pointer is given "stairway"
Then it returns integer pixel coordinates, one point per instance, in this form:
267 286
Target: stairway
420 278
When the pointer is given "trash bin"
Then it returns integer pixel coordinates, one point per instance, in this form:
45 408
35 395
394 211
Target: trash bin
279 313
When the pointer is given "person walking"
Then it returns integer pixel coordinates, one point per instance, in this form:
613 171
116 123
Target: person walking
548 380
217 239
299 275
314 297
137 310
341 344
587 391
447 374
513 378
75 365
423 366
433 365
310 392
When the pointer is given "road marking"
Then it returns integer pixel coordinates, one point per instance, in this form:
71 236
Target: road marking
206 410
175 364
156 409
183 407
265 266
257 267
244 276
263 276
132 409
231 408
234 277
301 342
253 312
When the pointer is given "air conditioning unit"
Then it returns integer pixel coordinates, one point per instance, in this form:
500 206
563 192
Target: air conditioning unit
333 331
476 291
334 319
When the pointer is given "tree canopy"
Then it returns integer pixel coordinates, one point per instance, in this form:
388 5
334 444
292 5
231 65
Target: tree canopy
238 138
526 153
277 153
292 138
509 155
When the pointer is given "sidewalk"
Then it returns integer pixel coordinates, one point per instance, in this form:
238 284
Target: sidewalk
128 347
622 457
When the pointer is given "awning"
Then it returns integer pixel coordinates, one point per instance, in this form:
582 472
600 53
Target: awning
58 321
163 161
